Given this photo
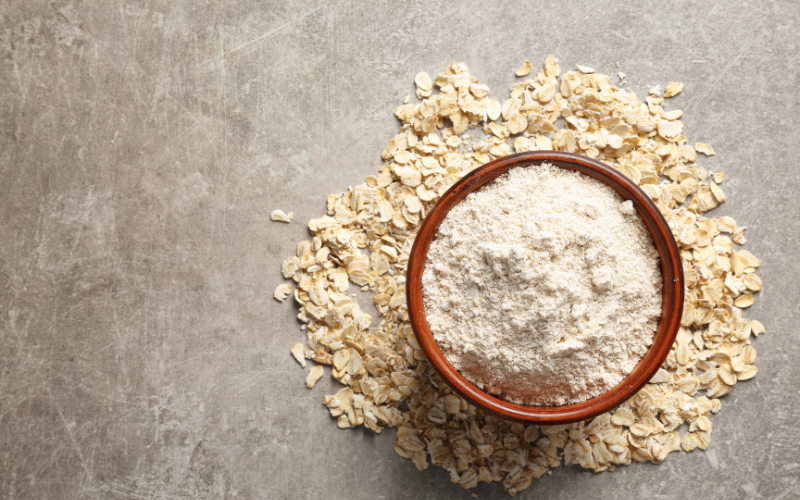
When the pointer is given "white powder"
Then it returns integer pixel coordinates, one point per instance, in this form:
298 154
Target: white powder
543 287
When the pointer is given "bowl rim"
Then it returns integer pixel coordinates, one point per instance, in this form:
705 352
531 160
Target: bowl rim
672 295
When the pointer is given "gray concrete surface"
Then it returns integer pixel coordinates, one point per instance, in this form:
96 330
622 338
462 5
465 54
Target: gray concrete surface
143 145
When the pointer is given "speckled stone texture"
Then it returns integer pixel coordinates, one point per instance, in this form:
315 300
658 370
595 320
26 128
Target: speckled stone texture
143 145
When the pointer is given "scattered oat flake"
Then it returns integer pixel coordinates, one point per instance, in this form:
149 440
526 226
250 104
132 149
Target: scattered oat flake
281 216
621 75
525 69
585 69
706 149
669 129
717 192
314 374
493 109
743 301
424 84
297 352
423 81
282 291
673 89
738 235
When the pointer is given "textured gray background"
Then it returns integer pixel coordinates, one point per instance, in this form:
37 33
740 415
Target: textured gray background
143 145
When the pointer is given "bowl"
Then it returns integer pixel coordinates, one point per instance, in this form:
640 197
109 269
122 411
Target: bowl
671 308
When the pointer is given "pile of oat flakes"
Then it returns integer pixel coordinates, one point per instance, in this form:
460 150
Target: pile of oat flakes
368 232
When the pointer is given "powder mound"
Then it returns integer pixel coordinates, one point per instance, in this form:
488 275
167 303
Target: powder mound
543 287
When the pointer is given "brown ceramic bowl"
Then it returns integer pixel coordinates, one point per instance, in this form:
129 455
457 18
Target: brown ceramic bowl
671 309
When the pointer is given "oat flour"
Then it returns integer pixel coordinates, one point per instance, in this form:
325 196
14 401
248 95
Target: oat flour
543 287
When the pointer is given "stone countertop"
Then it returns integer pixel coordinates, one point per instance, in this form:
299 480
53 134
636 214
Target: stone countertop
144 145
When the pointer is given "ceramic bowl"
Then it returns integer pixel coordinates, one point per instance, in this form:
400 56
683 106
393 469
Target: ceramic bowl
672 300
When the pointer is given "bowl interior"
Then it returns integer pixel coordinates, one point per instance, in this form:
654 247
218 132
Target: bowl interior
671 308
